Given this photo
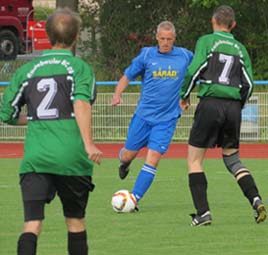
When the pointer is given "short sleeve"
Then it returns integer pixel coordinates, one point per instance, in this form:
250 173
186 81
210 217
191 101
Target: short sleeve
84 82
137 66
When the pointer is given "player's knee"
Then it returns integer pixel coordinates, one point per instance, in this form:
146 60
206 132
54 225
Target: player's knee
75 225
34 226
127 155
194 164
153 157
234 165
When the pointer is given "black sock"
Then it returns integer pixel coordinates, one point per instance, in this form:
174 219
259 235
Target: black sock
77 243
27 244
249 188
198 187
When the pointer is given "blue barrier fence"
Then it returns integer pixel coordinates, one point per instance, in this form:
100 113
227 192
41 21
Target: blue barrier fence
113 83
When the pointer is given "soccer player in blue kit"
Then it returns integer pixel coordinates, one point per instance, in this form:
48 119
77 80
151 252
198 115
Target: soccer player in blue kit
162 69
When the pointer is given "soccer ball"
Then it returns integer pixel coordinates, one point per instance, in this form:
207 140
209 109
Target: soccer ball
123 201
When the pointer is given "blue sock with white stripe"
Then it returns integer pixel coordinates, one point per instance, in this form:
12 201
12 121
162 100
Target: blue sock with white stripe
143 181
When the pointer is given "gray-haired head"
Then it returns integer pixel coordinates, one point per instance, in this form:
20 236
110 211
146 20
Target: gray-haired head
166 25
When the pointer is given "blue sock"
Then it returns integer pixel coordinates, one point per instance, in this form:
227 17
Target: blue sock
143 181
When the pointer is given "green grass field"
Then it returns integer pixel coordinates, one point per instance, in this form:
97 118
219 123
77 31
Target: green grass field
162 225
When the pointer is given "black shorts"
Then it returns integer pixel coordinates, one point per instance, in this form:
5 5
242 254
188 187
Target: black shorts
40 188
216 123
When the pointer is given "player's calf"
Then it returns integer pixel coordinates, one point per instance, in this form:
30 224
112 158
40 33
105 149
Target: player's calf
124 165
27 244
247 185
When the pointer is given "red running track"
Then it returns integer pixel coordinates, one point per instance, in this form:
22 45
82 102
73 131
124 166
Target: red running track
176 150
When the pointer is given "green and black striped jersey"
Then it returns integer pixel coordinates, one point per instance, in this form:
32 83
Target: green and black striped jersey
222 66
48 86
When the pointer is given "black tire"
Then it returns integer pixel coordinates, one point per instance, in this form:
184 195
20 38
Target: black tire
9 45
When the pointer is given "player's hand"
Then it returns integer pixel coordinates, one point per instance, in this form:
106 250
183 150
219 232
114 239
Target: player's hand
94 154
116 100
185 103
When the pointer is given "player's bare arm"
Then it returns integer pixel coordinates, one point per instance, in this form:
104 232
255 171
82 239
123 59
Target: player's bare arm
82 110
121 86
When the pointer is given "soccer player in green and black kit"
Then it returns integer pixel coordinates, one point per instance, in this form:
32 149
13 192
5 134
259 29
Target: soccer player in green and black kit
223 67
57 89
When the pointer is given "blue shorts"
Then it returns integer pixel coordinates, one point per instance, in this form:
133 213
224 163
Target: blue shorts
156 137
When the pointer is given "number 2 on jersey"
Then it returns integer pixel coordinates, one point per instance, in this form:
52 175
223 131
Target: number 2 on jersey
44 111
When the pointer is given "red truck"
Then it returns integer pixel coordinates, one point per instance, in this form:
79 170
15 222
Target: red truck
14 17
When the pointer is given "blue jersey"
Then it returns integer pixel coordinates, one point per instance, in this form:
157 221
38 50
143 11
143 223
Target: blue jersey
162 76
